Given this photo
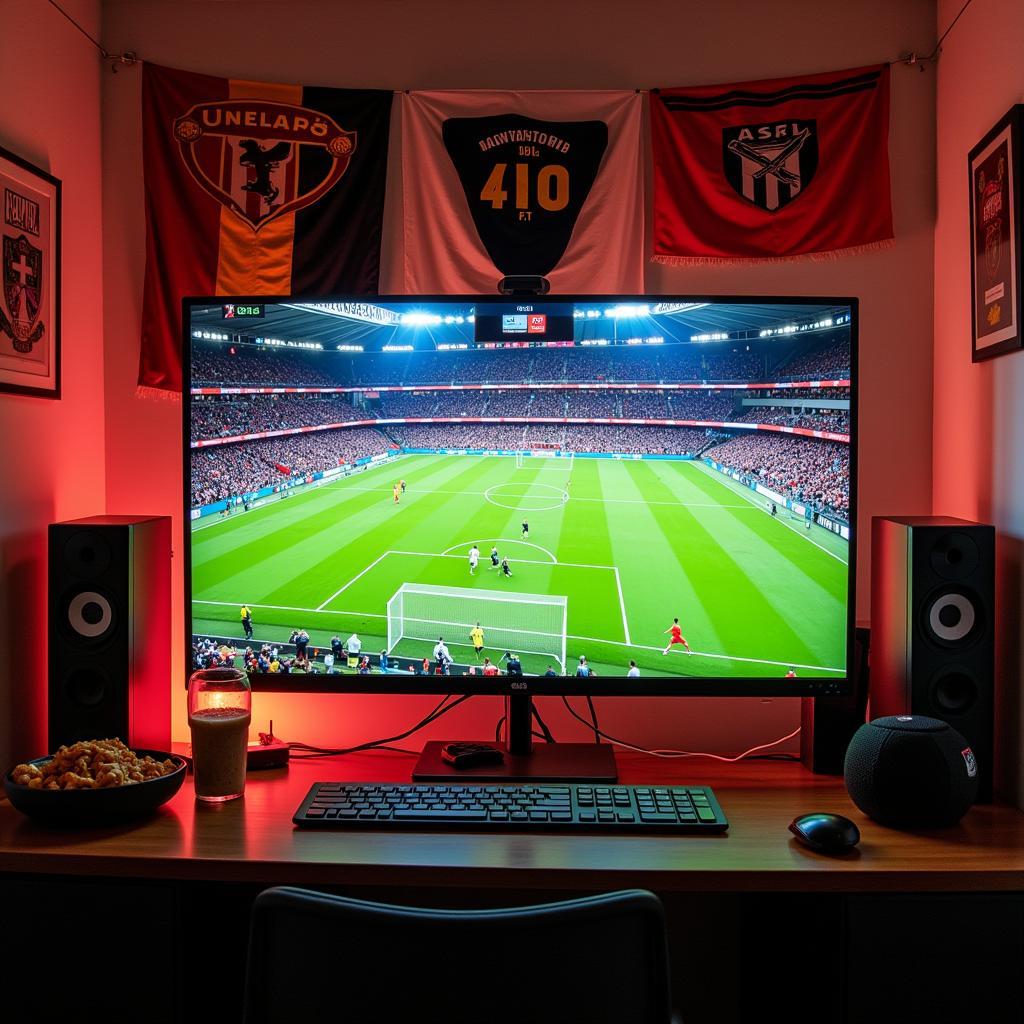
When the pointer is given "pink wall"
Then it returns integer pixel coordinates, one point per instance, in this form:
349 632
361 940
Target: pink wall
978 459
53 459
538 44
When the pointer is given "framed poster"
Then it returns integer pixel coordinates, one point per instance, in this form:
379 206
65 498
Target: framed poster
994 166
29 279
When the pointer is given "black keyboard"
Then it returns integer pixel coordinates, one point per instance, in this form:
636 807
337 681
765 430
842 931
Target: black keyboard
677 810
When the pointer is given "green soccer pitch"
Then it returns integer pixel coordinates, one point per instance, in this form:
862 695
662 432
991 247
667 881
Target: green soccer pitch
630 544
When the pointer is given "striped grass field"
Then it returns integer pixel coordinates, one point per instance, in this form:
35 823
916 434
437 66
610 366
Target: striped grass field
635 544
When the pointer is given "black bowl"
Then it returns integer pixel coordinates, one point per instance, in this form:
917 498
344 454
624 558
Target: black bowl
97 806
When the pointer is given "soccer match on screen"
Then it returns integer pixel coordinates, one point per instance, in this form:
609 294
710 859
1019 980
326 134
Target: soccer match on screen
547 487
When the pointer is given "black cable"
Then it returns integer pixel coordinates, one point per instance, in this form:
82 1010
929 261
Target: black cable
497 729
593 718
540 721
942 38
56 6
441 709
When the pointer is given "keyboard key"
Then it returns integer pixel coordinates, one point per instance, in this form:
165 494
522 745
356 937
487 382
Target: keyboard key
705 814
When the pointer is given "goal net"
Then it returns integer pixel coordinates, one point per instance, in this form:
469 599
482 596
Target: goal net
523 623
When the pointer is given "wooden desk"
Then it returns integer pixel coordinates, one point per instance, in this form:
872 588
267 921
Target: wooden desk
751 914
253 840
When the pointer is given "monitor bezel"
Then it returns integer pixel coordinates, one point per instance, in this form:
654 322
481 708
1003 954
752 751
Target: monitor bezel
569 686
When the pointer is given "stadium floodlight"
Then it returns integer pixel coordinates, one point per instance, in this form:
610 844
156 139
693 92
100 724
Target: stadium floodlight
631 309
523 623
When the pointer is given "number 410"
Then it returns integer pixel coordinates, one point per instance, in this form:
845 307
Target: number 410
552 187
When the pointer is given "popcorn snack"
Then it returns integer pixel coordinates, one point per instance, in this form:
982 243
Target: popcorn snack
91 764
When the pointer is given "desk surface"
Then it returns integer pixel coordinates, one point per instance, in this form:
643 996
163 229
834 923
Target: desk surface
253 840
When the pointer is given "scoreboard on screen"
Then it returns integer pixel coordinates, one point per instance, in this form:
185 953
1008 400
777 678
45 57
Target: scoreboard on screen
523 321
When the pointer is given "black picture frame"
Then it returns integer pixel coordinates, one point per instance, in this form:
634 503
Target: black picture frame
30 279
994 169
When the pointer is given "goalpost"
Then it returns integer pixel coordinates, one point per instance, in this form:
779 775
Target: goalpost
524 623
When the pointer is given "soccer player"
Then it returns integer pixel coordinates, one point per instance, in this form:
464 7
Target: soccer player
441 653
550 672
526 530
677 637
791 674
402 485
583 669
505 570
634 672
474 557
775 510
394 491
476 634
490 669
495 559
247 621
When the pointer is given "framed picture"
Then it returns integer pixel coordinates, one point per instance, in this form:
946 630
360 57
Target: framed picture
994 166
29 279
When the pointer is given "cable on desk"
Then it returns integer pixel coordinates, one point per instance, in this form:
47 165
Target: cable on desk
310 751
675 753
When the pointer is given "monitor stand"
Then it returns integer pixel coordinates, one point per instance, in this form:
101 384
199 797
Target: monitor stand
524 760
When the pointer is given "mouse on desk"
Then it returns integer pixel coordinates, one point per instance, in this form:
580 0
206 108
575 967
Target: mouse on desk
825 833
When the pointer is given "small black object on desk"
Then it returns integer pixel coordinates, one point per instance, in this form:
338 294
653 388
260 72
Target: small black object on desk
471 755
826 833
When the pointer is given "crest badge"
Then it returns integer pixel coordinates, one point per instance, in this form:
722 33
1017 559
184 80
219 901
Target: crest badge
771 164
247 155
22 292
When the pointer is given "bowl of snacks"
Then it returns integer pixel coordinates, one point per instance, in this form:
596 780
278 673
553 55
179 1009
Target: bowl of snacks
94 782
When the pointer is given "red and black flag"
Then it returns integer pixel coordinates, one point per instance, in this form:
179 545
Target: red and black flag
255 188
772 170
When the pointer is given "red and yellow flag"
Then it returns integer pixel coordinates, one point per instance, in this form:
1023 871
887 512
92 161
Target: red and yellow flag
255 188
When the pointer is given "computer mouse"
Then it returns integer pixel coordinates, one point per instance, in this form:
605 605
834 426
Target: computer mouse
826 833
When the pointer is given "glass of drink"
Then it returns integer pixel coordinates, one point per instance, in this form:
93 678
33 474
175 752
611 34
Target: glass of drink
219 712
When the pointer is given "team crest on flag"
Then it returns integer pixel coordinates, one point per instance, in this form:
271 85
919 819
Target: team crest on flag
246 154
22 294
770 164
786 168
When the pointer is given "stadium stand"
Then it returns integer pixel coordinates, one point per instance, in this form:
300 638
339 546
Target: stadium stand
809 470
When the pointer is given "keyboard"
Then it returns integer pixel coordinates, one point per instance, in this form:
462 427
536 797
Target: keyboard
554 807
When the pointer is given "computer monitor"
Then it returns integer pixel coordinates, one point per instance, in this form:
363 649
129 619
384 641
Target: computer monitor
628 495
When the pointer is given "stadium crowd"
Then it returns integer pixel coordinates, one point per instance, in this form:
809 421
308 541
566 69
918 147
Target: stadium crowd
232 470
835 420
245 364
814 471
234 415
831 361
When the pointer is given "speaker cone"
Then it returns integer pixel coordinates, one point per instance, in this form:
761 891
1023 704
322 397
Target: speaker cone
87 553
954 556
952 691
90 614
87 687
950 617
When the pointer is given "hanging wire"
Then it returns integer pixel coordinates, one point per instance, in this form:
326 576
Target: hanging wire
910 58
127 59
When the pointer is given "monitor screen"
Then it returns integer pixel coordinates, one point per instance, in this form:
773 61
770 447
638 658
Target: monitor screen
567 494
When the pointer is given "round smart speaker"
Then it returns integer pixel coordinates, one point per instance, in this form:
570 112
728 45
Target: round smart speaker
908 771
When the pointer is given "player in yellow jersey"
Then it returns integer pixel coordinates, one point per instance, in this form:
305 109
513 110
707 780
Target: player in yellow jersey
394 490
476 634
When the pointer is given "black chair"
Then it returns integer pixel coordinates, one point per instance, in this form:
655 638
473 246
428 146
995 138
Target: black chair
315 957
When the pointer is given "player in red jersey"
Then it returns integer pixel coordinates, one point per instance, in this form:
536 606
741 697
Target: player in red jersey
677 637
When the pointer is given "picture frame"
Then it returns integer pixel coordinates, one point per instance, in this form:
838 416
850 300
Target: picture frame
995 179
30 251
